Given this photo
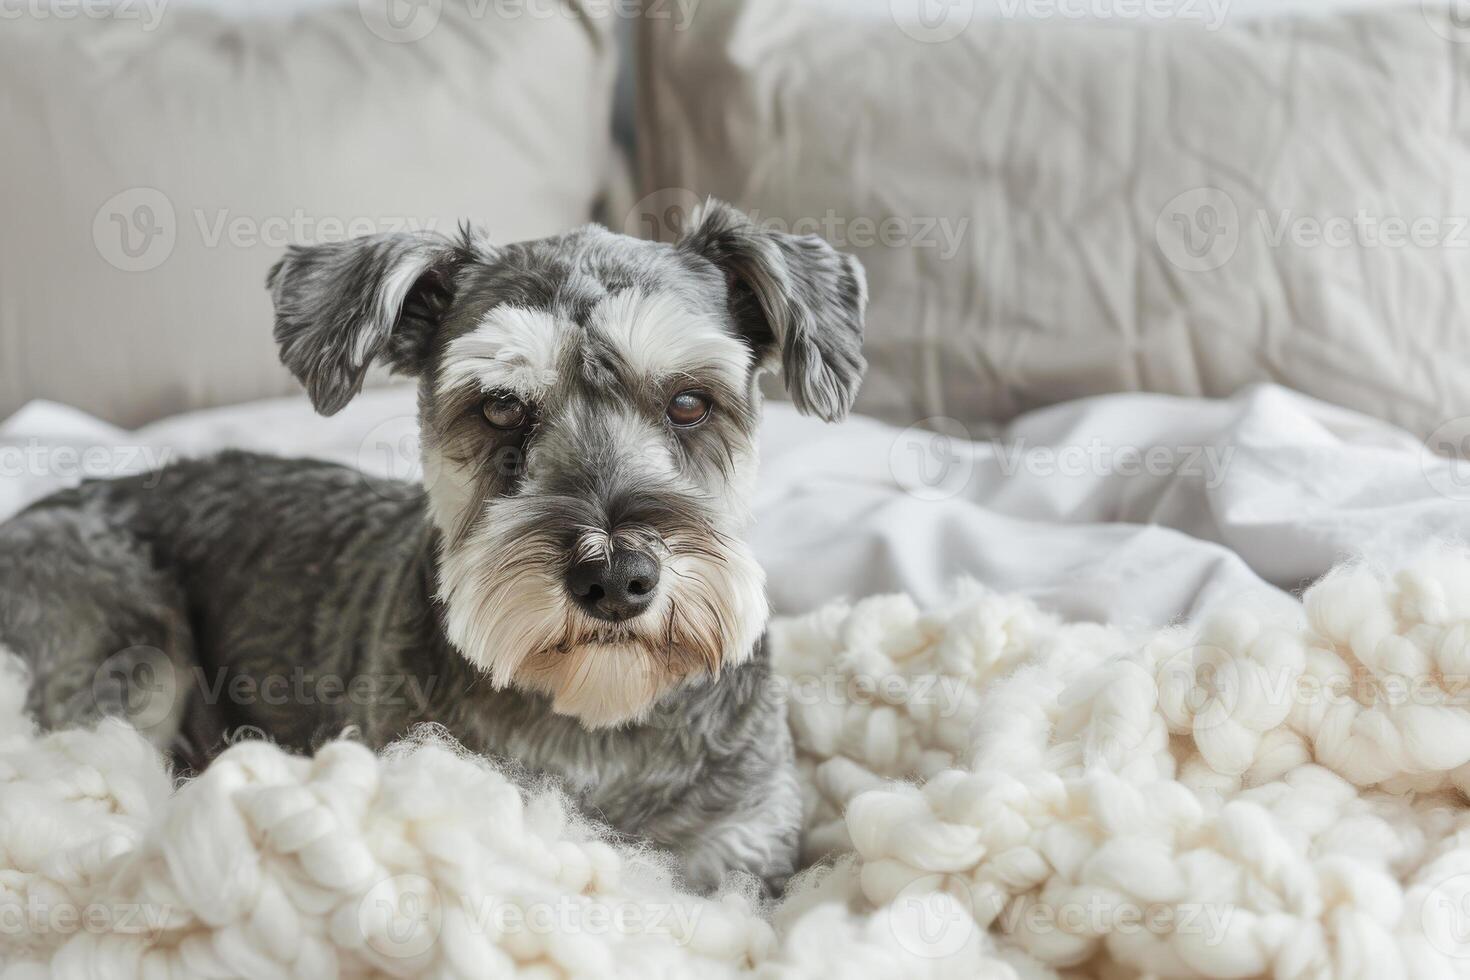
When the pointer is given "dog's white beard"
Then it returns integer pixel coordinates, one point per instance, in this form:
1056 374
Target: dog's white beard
508 612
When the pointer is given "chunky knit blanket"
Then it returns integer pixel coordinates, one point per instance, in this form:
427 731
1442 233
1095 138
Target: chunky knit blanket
991 792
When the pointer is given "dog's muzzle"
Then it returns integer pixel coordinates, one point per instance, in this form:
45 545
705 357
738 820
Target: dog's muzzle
615 588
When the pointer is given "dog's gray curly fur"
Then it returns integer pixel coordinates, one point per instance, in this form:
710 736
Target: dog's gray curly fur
299 598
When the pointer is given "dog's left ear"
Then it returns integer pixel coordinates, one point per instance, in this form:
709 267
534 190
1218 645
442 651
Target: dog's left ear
797 300
340 306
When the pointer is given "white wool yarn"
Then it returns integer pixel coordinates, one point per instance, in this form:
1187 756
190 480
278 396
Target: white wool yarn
1249 798
991 793
424 862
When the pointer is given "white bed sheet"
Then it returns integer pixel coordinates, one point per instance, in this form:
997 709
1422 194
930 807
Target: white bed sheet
1134 509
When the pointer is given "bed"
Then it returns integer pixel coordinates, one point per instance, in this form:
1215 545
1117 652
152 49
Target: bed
1005 660
1124 631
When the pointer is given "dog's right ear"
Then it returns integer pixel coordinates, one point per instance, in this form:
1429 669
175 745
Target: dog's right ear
340 306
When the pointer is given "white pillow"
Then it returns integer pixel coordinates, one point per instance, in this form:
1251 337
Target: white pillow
156 166
1021 193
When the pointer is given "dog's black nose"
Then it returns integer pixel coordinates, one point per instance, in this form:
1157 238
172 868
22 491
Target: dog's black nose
617 589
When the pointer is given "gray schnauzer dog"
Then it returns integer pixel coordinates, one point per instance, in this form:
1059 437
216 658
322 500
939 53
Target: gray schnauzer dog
569 588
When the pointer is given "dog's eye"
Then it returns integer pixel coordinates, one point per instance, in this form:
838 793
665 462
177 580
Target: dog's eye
505 411
688 408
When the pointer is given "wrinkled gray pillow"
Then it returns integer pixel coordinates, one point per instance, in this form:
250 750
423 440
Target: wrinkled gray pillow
155 168
1060 209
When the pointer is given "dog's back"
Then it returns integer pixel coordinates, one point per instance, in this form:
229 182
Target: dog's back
136 595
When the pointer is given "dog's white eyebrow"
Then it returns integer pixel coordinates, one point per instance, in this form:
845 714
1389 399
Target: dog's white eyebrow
514 349
659 336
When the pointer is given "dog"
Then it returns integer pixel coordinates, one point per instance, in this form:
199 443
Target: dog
568 589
